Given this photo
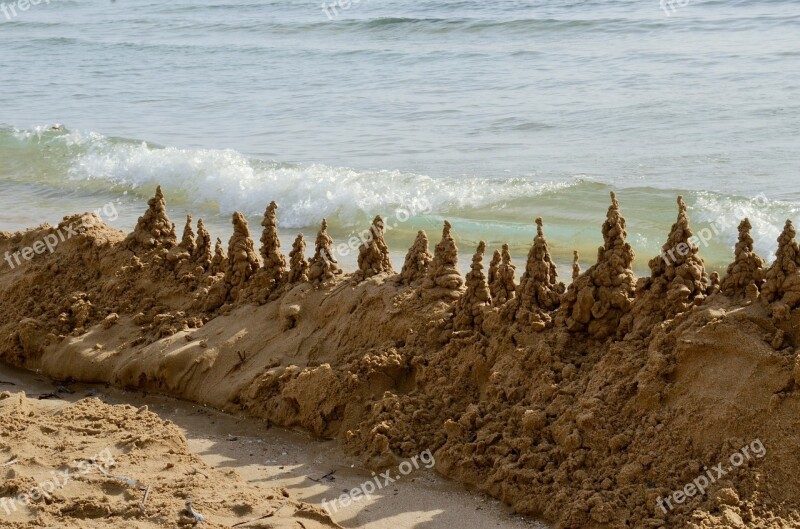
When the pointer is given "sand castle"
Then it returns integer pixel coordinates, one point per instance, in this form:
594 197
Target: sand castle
573 404
202 251
188 242
745 274
782 285
274 263
470 306
443 277
417 261
323 267
539 291
598 299
501 277
298 266
373 254
154 227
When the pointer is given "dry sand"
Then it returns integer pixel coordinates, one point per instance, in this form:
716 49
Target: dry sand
586 404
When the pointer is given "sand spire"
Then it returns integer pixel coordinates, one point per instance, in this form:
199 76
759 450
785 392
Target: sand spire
274 266
418 259
373 254
782 286
242 258
470 306
501 280
187 240
323 267
746 273
202 251
298 271
598 299
154 227
443 272
219 263
539 290
678 271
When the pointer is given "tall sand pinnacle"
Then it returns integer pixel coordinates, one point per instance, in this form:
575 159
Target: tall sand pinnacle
501 279
188 242
154 227
539 289
597 300
745 274
202 251
323 267
274 266
373 254
470 306
242 258
219 263
782 286
417 261
298 271
443 276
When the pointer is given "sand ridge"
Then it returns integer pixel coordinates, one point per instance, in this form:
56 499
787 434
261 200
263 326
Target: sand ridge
582 404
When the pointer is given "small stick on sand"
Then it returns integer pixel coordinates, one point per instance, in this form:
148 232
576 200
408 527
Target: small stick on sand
194 514
8 463
128 481
143 505
326 477
268 515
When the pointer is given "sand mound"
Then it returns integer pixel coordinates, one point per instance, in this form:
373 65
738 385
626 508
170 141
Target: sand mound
590 407
91 464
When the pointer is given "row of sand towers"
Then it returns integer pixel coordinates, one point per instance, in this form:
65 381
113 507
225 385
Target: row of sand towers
601 300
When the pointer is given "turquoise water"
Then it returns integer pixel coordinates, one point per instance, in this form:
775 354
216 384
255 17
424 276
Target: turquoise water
489 113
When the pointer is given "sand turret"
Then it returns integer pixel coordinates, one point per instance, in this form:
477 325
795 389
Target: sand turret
470 306
202 251
501 279
274 263
443 276
219 263
242 258
298 266
323 267
539 290
373 254
678 271
154 227
188 242
598 299
782 285
745 274
417 261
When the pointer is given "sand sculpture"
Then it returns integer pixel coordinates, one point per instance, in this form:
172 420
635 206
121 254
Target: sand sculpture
322 266
501 277
242 259
539 290
373 254
188 242
745 274
202 251
545 405
443 276
471 304
298 266
782 285
219 263
154 227
417 261
272 273
678 272
598 299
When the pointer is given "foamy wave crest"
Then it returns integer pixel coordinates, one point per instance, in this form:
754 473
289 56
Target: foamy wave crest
225 180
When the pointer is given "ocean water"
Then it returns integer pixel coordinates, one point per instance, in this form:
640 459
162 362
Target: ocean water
485 113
